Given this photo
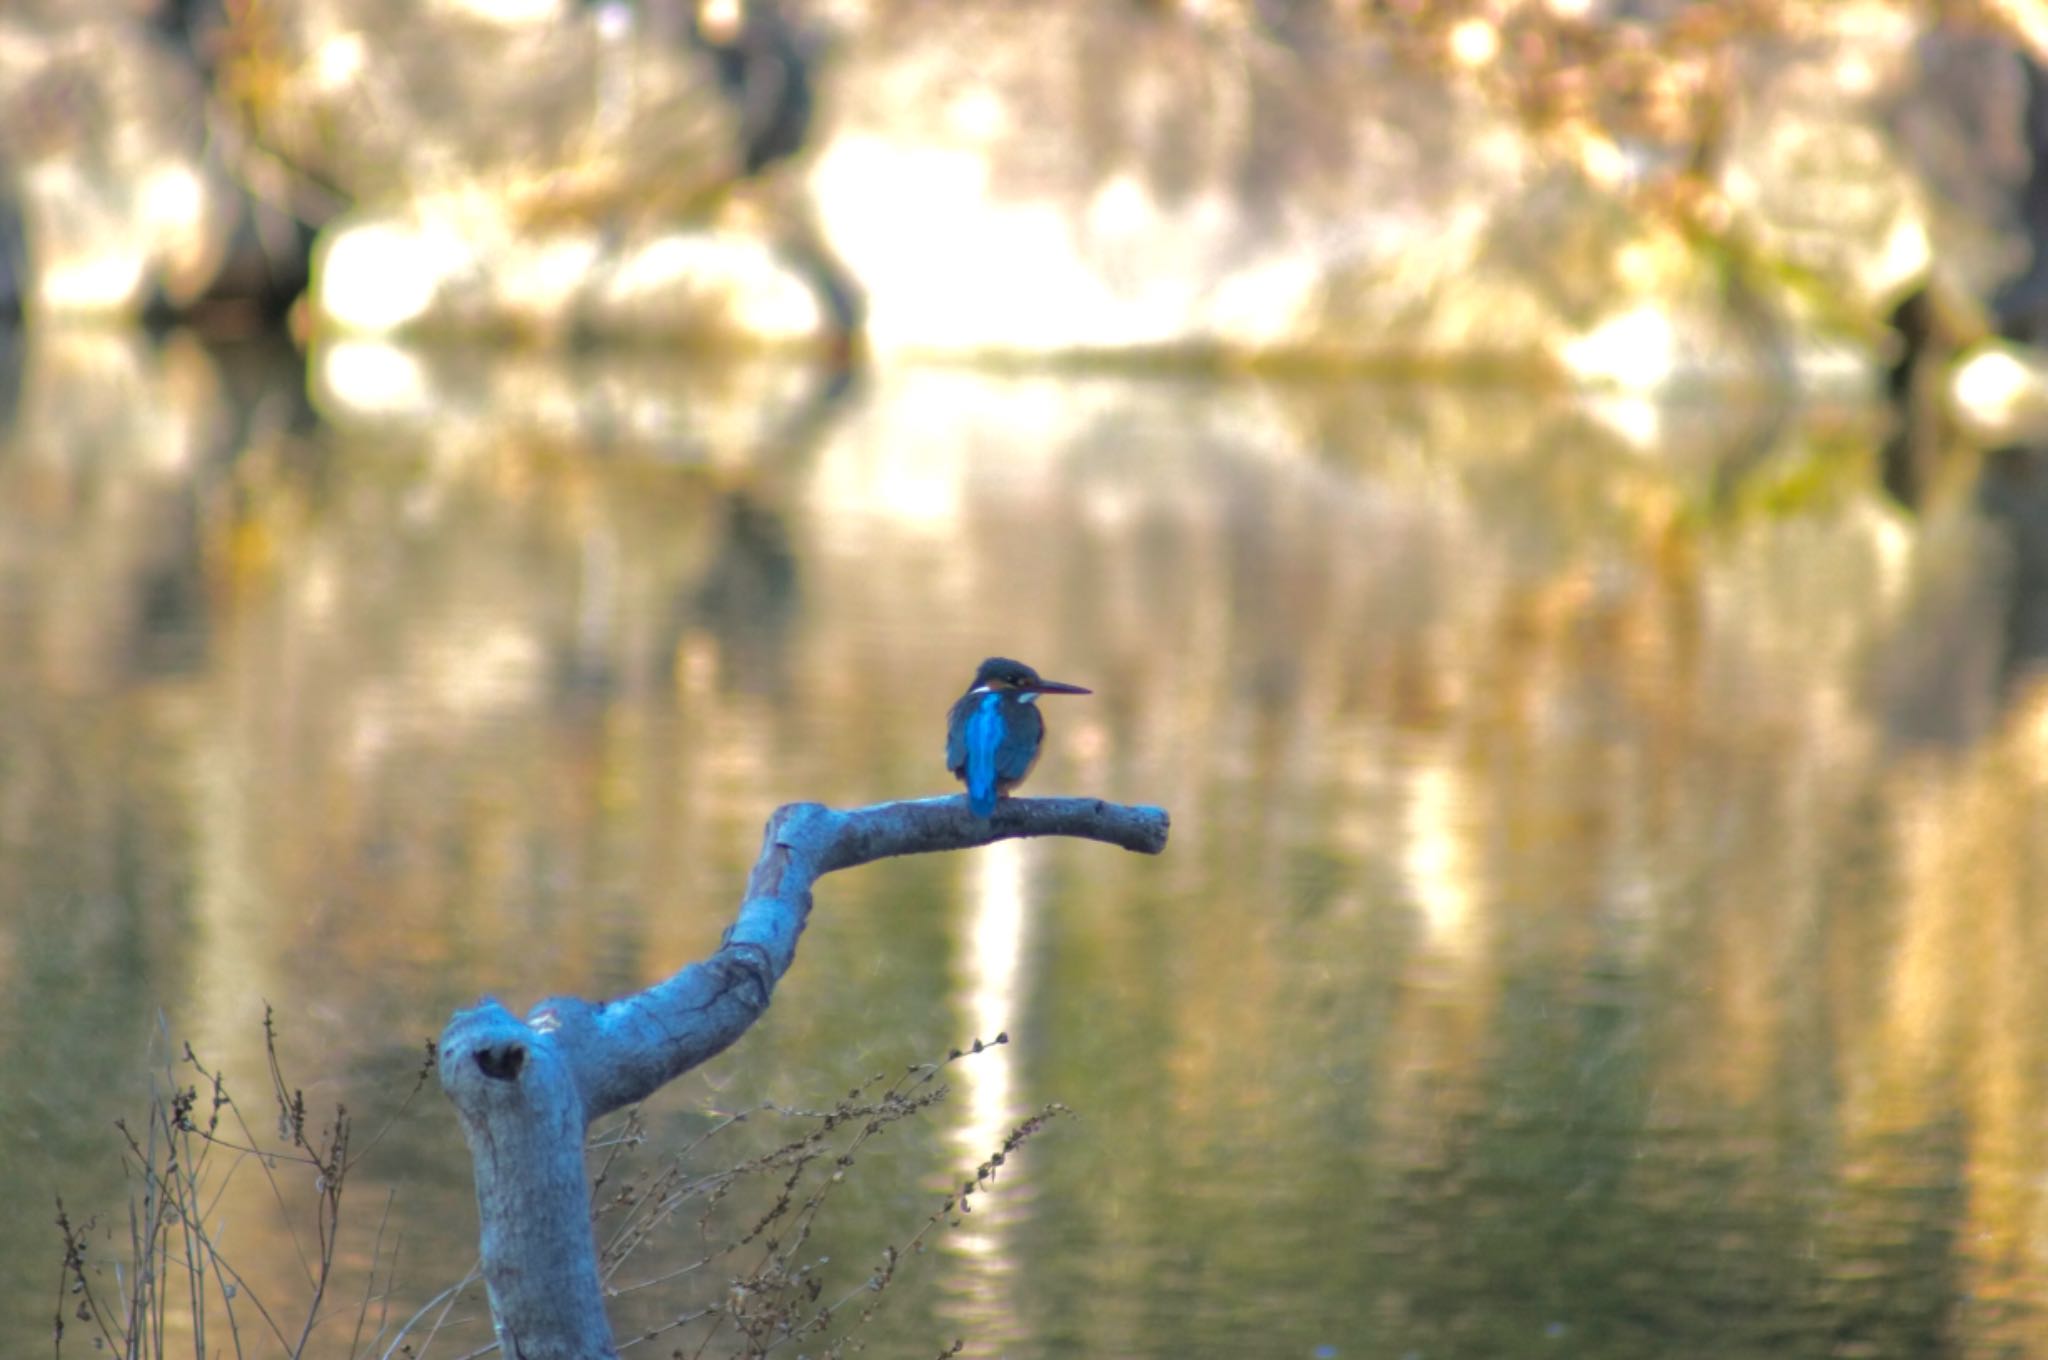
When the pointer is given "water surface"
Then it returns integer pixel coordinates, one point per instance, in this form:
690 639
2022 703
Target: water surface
1604 914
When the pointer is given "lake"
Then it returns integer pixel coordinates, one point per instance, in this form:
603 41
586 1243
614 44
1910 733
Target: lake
1605 913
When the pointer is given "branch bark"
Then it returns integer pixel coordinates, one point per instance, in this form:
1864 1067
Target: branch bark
526 1091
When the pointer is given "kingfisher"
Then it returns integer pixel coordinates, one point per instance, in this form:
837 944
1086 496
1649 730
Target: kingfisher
994 730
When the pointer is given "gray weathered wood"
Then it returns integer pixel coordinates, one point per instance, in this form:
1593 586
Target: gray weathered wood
526 1091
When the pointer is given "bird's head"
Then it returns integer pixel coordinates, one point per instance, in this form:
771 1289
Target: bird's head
1000 673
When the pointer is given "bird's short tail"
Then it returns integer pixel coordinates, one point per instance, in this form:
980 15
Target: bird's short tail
981 799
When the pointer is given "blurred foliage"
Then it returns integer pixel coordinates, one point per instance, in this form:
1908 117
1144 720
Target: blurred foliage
387 101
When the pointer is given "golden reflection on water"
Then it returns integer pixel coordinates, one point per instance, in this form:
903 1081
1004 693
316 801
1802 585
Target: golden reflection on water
996 935
1606 901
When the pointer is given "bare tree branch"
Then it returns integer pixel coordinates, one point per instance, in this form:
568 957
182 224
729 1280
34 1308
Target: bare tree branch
526 1091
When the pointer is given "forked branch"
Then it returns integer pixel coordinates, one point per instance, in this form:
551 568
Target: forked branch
527 1090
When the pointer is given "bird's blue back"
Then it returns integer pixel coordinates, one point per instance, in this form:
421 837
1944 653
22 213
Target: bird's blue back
992 741
983 735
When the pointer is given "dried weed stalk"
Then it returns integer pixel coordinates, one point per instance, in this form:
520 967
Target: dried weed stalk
173 1288
769 1295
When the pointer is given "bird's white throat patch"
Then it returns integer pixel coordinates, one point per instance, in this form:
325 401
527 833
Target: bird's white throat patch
1029 696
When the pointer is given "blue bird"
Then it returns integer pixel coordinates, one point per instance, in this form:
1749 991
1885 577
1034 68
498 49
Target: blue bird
994 730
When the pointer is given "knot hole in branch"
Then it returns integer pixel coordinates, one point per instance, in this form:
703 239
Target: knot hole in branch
501 1062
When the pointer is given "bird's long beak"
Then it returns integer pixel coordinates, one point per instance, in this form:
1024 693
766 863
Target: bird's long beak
1055 687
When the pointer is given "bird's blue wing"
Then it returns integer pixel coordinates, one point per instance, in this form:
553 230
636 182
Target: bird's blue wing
956 736
981 739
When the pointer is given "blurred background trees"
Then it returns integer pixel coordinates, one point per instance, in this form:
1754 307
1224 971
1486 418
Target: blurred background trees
1613 191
